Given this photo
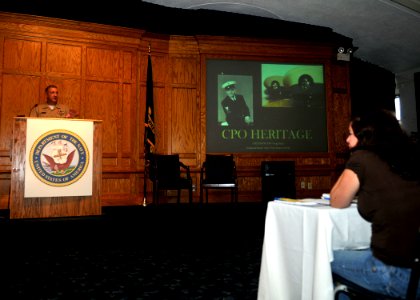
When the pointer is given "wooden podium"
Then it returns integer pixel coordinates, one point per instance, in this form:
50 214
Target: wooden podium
60 195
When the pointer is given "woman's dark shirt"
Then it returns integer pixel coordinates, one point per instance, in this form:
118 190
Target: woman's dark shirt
391 204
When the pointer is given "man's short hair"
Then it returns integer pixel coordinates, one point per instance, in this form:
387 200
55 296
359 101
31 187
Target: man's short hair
49 87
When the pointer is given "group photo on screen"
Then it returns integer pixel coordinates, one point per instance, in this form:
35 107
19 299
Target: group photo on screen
265 107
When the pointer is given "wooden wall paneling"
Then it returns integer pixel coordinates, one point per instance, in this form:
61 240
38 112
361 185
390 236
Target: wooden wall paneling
185 108
257 49
128 126
184 130
139 96
5 160
19 93
250 188
128 66
313 175
329 101
18 59
162 118
184 70
141 105
341 106
312 172
4 163
202 111
183 125
111 95
21 66
83 60
129 135
64 59
162 103
69 92
185 83
340 77
22 55
184 139
63 67
102 103
116 189
85 32
314 161
338 114
4 190
314 186
101 72
103 63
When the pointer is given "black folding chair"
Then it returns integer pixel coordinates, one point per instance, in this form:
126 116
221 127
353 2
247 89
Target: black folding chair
219 172
165 173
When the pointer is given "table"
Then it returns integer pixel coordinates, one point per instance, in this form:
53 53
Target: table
298 249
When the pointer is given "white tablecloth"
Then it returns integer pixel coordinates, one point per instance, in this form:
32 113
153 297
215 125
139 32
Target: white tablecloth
298 249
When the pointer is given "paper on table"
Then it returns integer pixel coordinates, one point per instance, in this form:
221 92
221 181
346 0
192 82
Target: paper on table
323 201
305 202
326 196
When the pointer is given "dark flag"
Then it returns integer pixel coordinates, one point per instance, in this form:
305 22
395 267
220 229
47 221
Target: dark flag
149 124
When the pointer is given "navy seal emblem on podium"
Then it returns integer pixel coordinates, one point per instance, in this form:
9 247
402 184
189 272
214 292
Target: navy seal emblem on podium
59 158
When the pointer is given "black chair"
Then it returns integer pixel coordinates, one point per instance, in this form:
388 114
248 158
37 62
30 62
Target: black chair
219 172
353 291
165 173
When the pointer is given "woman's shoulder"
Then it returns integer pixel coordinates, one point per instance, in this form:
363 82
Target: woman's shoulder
362 155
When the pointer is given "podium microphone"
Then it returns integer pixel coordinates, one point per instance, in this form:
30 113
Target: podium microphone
33 107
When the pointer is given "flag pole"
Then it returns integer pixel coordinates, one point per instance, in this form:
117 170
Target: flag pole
144 185
145 181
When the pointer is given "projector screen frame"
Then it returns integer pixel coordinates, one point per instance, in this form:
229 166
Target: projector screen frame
295 133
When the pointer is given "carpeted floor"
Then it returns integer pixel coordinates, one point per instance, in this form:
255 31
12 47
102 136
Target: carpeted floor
154 252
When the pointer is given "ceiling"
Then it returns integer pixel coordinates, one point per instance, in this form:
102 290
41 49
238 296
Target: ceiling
385 32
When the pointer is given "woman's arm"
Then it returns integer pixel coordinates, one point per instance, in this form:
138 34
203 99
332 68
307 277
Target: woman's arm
345 189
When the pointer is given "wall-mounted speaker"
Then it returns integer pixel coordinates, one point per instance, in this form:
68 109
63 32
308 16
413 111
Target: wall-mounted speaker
277 180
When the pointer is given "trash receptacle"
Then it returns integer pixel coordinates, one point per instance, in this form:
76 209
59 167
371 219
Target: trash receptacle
277 180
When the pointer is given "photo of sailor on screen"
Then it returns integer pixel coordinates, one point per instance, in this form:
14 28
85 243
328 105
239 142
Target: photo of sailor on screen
236 109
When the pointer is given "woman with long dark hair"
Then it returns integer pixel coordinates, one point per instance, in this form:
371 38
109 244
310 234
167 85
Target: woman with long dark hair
383 172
